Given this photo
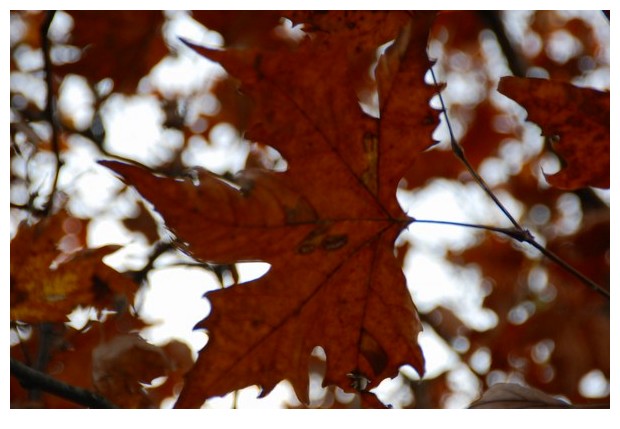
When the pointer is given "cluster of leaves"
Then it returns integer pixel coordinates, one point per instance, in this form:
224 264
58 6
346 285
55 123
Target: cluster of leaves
352 121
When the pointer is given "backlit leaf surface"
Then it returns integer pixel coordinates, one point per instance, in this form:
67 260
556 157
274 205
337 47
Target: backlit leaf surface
327 225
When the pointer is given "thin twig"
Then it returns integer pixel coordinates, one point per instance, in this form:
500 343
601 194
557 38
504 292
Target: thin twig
511 232
515 62
50 105
31 378
518 232
525 236
555 258
159 249
46 337
458 150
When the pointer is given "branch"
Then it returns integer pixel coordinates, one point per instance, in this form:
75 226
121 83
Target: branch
159 249
50 105
518 232
458 150
525 236
31 378
511 232
494 22
559 261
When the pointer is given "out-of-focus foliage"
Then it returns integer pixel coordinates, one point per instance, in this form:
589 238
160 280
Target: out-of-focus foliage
550 331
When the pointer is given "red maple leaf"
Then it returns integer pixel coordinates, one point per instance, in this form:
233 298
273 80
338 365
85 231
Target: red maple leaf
577 122
327 225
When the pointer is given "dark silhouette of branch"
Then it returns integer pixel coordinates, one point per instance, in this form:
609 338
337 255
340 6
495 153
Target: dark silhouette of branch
527 237
510 232
50 105
494 21
31 378
518 232
458 150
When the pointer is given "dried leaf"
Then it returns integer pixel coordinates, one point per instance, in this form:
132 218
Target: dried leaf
143 223
576 120
70 354
327 225
241 28
46 284
180 361
122 364
122 45
509 395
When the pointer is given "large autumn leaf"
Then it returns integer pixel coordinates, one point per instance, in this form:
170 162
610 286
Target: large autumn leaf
576 119
327 225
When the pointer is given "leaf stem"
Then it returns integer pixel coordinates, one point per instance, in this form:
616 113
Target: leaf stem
524 235
511 232
460 154
518 232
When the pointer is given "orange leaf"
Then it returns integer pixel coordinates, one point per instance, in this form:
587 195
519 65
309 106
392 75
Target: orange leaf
121 364
577 122
46 285
327 225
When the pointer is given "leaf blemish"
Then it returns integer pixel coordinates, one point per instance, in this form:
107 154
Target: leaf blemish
306 248
333 242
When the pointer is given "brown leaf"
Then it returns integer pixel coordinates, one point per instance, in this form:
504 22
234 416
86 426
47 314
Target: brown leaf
122 364
587 250
70 354
327 225
122 45
576 120
234 107
180 361
46 284
143 223
509 395
241 28
447 324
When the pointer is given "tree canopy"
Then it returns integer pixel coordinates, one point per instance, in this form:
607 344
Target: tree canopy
346 122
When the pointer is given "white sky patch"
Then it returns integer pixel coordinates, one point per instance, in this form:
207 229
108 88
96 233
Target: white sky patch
123 137
251 270
174 302
226 150
594 384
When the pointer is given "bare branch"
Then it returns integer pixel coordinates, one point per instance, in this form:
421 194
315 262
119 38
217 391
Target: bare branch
458 150
50 106
518 232
31 378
